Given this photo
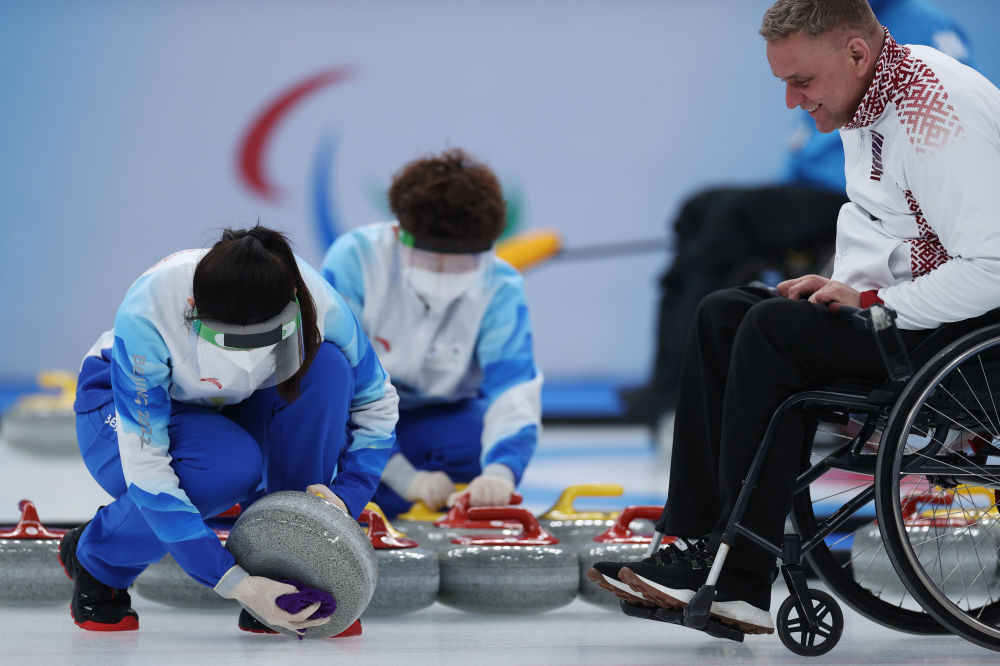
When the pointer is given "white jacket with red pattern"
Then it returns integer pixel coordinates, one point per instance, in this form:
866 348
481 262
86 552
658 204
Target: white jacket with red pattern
922 228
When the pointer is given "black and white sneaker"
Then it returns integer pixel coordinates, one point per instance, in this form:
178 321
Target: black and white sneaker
745 602
742 599
605 574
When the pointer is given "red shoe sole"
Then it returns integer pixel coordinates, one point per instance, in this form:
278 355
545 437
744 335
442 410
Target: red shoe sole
126 624
353 630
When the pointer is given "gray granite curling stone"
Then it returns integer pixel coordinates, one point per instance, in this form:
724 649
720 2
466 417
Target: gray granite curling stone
958 554
166 583
524 573
417 522
457 522
300 536
43 431
30 573
572 526
408 577
618 544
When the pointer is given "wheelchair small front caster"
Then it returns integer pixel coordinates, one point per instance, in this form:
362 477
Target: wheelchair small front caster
795 632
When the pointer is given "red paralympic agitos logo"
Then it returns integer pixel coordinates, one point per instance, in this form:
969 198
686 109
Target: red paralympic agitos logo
253 149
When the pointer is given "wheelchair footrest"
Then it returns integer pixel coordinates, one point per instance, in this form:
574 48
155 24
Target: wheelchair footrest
713 628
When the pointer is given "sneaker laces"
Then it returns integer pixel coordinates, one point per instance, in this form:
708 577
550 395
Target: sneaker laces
698 559
673 552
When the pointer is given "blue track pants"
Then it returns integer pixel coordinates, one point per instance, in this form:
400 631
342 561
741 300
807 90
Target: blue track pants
262 444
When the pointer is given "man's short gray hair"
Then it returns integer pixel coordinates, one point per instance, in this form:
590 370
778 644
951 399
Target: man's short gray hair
816 17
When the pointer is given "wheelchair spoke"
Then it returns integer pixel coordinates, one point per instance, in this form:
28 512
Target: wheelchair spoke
961 405
965 471
993 432
986 380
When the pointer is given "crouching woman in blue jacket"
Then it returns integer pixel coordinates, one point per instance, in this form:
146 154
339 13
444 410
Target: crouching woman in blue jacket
231 372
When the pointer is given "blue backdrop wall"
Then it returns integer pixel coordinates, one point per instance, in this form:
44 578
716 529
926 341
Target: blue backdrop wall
130 130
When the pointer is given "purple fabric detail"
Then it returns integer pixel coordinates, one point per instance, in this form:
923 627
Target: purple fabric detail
294 602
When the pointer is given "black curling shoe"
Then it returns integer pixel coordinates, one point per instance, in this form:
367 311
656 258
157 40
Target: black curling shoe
95 606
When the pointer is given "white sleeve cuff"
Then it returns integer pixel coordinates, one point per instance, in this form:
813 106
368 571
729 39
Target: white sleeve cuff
229 581
399 474
499 470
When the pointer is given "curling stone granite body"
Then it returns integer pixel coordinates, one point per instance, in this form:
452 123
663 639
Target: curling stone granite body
49 432
438 539
508 578
622 542
299 536
166 583
581 531
408 576
574 526
408 580
961 559
30 573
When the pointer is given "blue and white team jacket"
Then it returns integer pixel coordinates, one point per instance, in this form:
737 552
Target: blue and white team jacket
480 346
152 354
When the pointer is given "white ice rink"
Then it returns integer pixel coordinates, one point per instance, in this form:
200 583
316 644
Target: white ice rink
576 634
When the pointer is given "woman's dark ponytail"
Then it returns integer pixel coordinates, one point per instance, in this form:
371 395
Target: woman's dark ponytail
249 276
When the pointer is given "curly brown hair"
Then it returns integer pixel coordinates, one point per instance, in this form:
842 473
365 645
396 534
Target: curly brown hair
449 197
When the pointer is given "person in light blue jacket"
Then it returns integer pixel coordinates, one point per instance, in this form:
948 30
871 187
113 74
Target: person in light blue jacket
230 372
450 324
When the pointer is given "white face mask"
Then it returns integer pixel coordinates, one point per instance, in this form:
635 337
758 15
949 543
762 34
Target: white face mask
235 369
438 290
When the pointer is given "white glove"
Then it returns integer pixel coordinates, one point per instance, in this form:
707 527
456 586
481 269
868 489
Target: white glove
259 594
489 491
431 488
328 495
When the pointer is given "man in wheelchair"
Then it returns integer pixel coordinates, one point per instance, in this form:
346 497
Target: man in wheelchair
921 235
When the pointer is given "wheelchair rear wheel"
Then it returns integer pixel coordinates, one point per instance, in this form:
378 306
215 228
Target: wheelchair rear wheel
937 481
858 580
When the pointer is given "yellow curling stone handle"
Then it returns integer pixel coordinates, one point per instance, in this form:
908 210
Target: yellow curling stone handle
529 248
58 379
563 508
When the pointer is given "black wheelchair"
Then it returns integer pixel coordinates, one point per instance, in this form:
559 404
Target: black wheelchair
925 447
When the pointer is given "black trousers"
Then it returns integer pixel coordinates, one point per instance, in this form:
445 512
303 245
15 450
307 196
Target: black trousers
724 237
748 350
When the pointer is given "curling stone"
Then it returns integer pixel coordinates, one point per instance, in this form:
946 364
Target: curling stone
30 572
572 526
568 524
960 554
302 537
417 521
165 582
457 522
619 543
42 423
408 576
521 573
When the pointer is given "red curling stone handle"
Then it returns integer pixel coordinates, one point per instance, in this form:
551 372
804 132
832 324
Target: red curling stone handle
29 526
379 533
531 535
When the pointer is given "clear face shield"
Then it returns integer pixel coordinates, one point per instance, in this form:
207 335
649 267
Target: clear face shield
441 273
250 357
